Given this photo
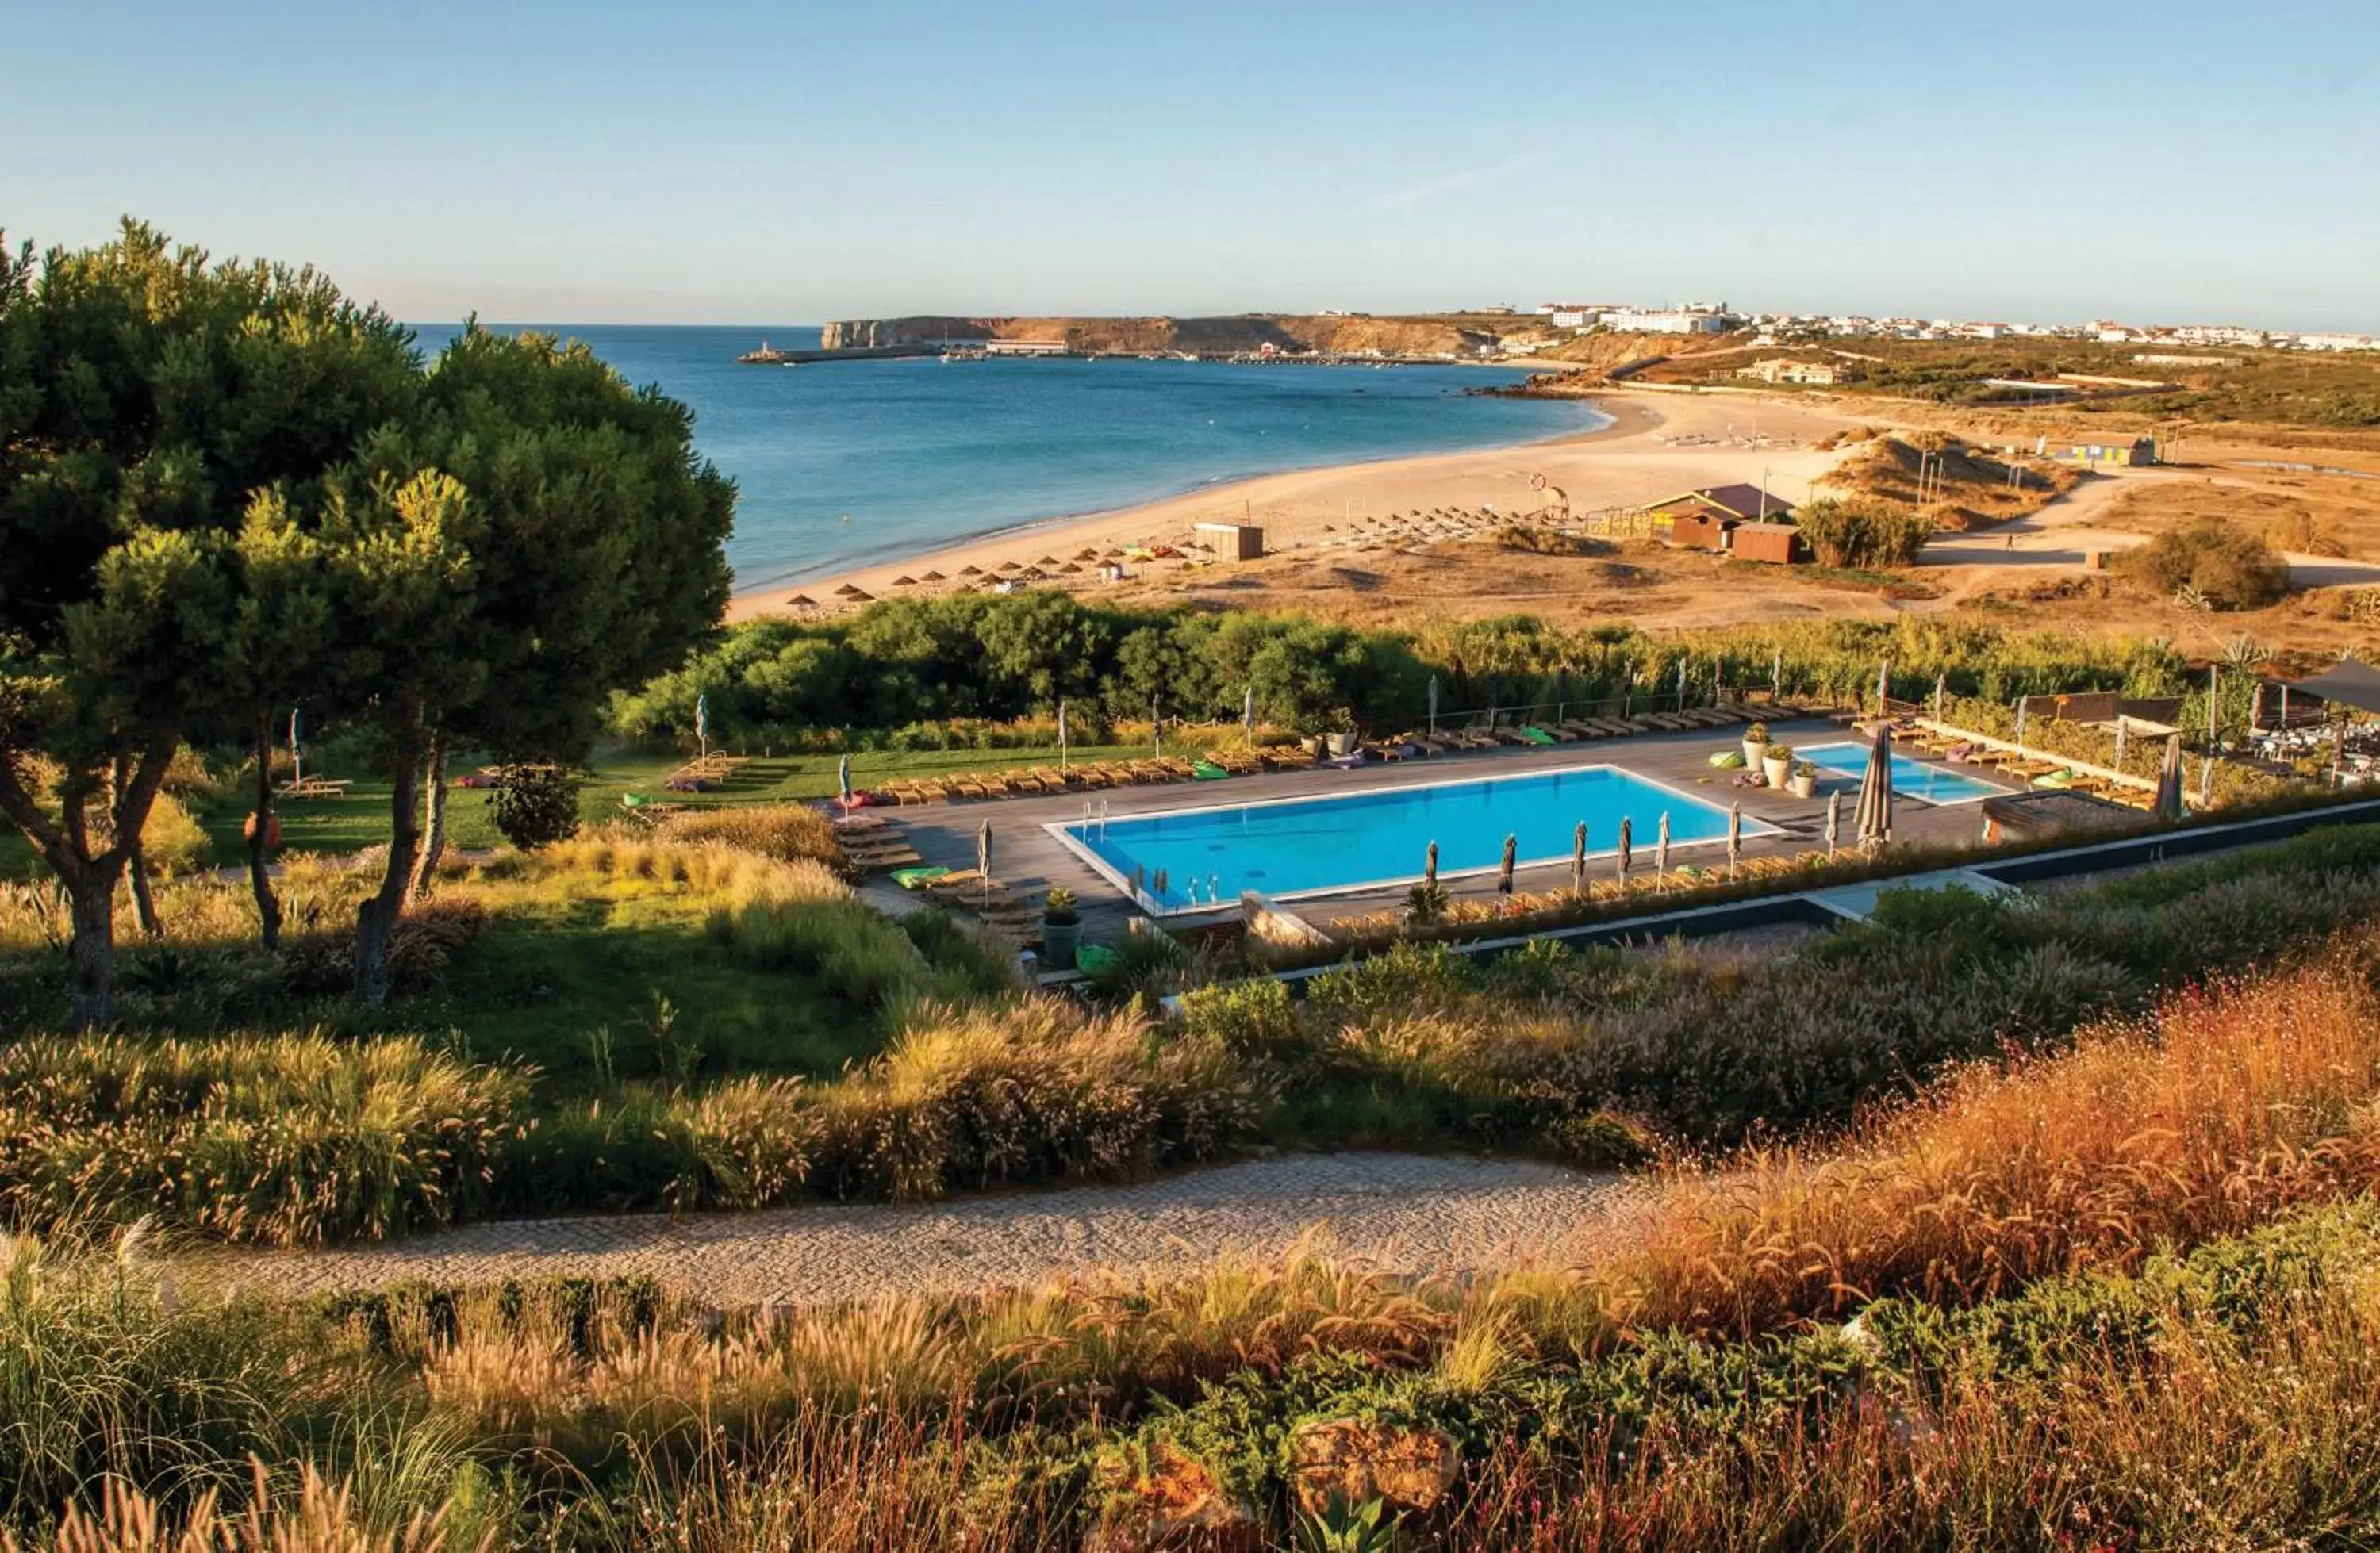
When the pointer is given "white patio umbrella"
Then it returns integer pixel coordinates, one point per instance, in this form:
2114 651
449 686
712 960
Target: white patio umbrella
1061 736
1429 864
1626 848
1876 790
1942 687
1248 713
983 858
843 779
1735 835
1661 847
1504 869
1834 820
1578 859
296 743
1433 703
702 722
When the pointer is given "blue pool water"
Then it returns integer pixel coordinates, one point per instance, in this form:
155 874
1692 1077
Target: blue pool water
1306 847
1910 777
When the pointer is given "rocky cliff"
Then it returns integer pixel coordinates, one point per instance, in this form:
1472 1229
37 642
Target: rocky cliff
1437 335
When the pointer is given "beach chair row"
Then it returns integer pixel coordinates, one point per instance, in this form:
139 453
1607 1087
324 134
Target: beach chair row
2032 770
1575 729
1097 776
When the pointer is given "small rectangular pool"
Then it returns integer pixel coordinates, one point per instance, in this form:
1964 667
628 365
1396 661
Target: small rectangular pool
1912 778
1291 847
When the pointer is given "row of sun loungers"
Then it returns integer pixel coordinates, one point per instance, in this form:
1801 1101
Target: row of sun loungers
1093 777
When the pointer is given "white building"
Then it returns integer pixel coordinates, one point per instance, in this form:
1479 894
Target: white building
1672 321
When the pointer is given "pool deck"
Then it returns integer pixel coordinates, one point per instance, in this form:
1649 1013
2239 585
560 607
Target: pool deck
1028 859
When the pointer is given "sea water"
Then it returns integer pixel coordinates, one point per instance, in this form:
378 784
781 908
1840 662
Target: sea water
846 463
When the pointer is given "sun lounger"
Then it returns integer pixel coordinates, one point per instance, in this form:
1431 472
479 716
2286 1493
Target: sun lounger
892 857
919 878
1538 736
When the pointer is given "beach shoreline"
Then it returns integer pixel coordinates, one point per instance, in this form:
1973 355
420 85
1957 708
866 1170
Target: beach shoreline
1650 441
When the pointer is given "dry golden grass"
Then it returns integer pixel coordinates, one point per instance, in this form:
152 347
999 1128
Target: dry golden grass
319 1517
2223 1108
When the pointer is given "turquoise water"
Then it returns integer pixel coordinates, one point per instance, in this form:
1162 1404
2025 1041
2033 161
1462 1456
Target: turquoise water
864 461
1910 777
1304 846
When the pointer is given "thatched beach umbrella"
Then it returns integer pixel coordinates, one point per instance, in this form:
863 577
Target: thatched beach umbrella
1088 553
846 590
1429 864
970 570
1012 564
1661 846
860 596
1578 859
1834 820
801 602
933 576
1047 560
1734 834
1876 790
904 580
1504 868
1071 569
1627 847
2168 804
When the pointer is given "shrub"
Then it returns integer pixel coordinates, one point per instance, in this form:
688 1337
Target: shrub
1862 534
283 1139
2229 567
1032 1092
788 832
537 805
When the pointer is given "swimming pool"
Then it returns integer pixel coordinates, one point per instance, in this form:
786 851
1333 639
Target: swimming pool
1910 777
1291 847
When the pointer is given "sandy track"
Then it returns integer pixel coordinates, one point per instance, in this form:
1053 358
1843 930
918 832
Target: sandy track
1405 1212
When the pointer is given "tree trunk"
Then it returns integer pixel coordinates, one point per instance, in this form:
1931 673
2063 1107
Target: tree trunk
376 918
434 800
260 843
90 954
144 902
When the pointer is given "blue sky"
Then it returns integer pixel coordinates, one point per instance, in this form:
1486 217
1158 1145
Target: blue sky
732 162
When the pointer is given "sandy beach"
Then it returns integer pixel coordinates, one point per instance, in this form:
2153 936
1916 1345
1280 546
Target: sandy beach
1657 445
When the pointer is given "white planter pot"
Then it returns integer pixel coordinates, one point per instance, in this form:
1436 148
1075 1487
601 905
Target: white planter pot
1803 786
1776 770
1755 751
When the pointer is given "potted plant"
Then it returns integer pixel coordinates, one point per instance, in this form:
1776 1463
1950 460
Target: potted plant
1062 927
1804 783
1755 745
1777 764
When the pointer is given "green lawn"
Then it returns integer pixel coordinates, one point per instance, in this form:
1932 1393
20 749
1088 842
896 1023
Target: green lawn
360 819
547 974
